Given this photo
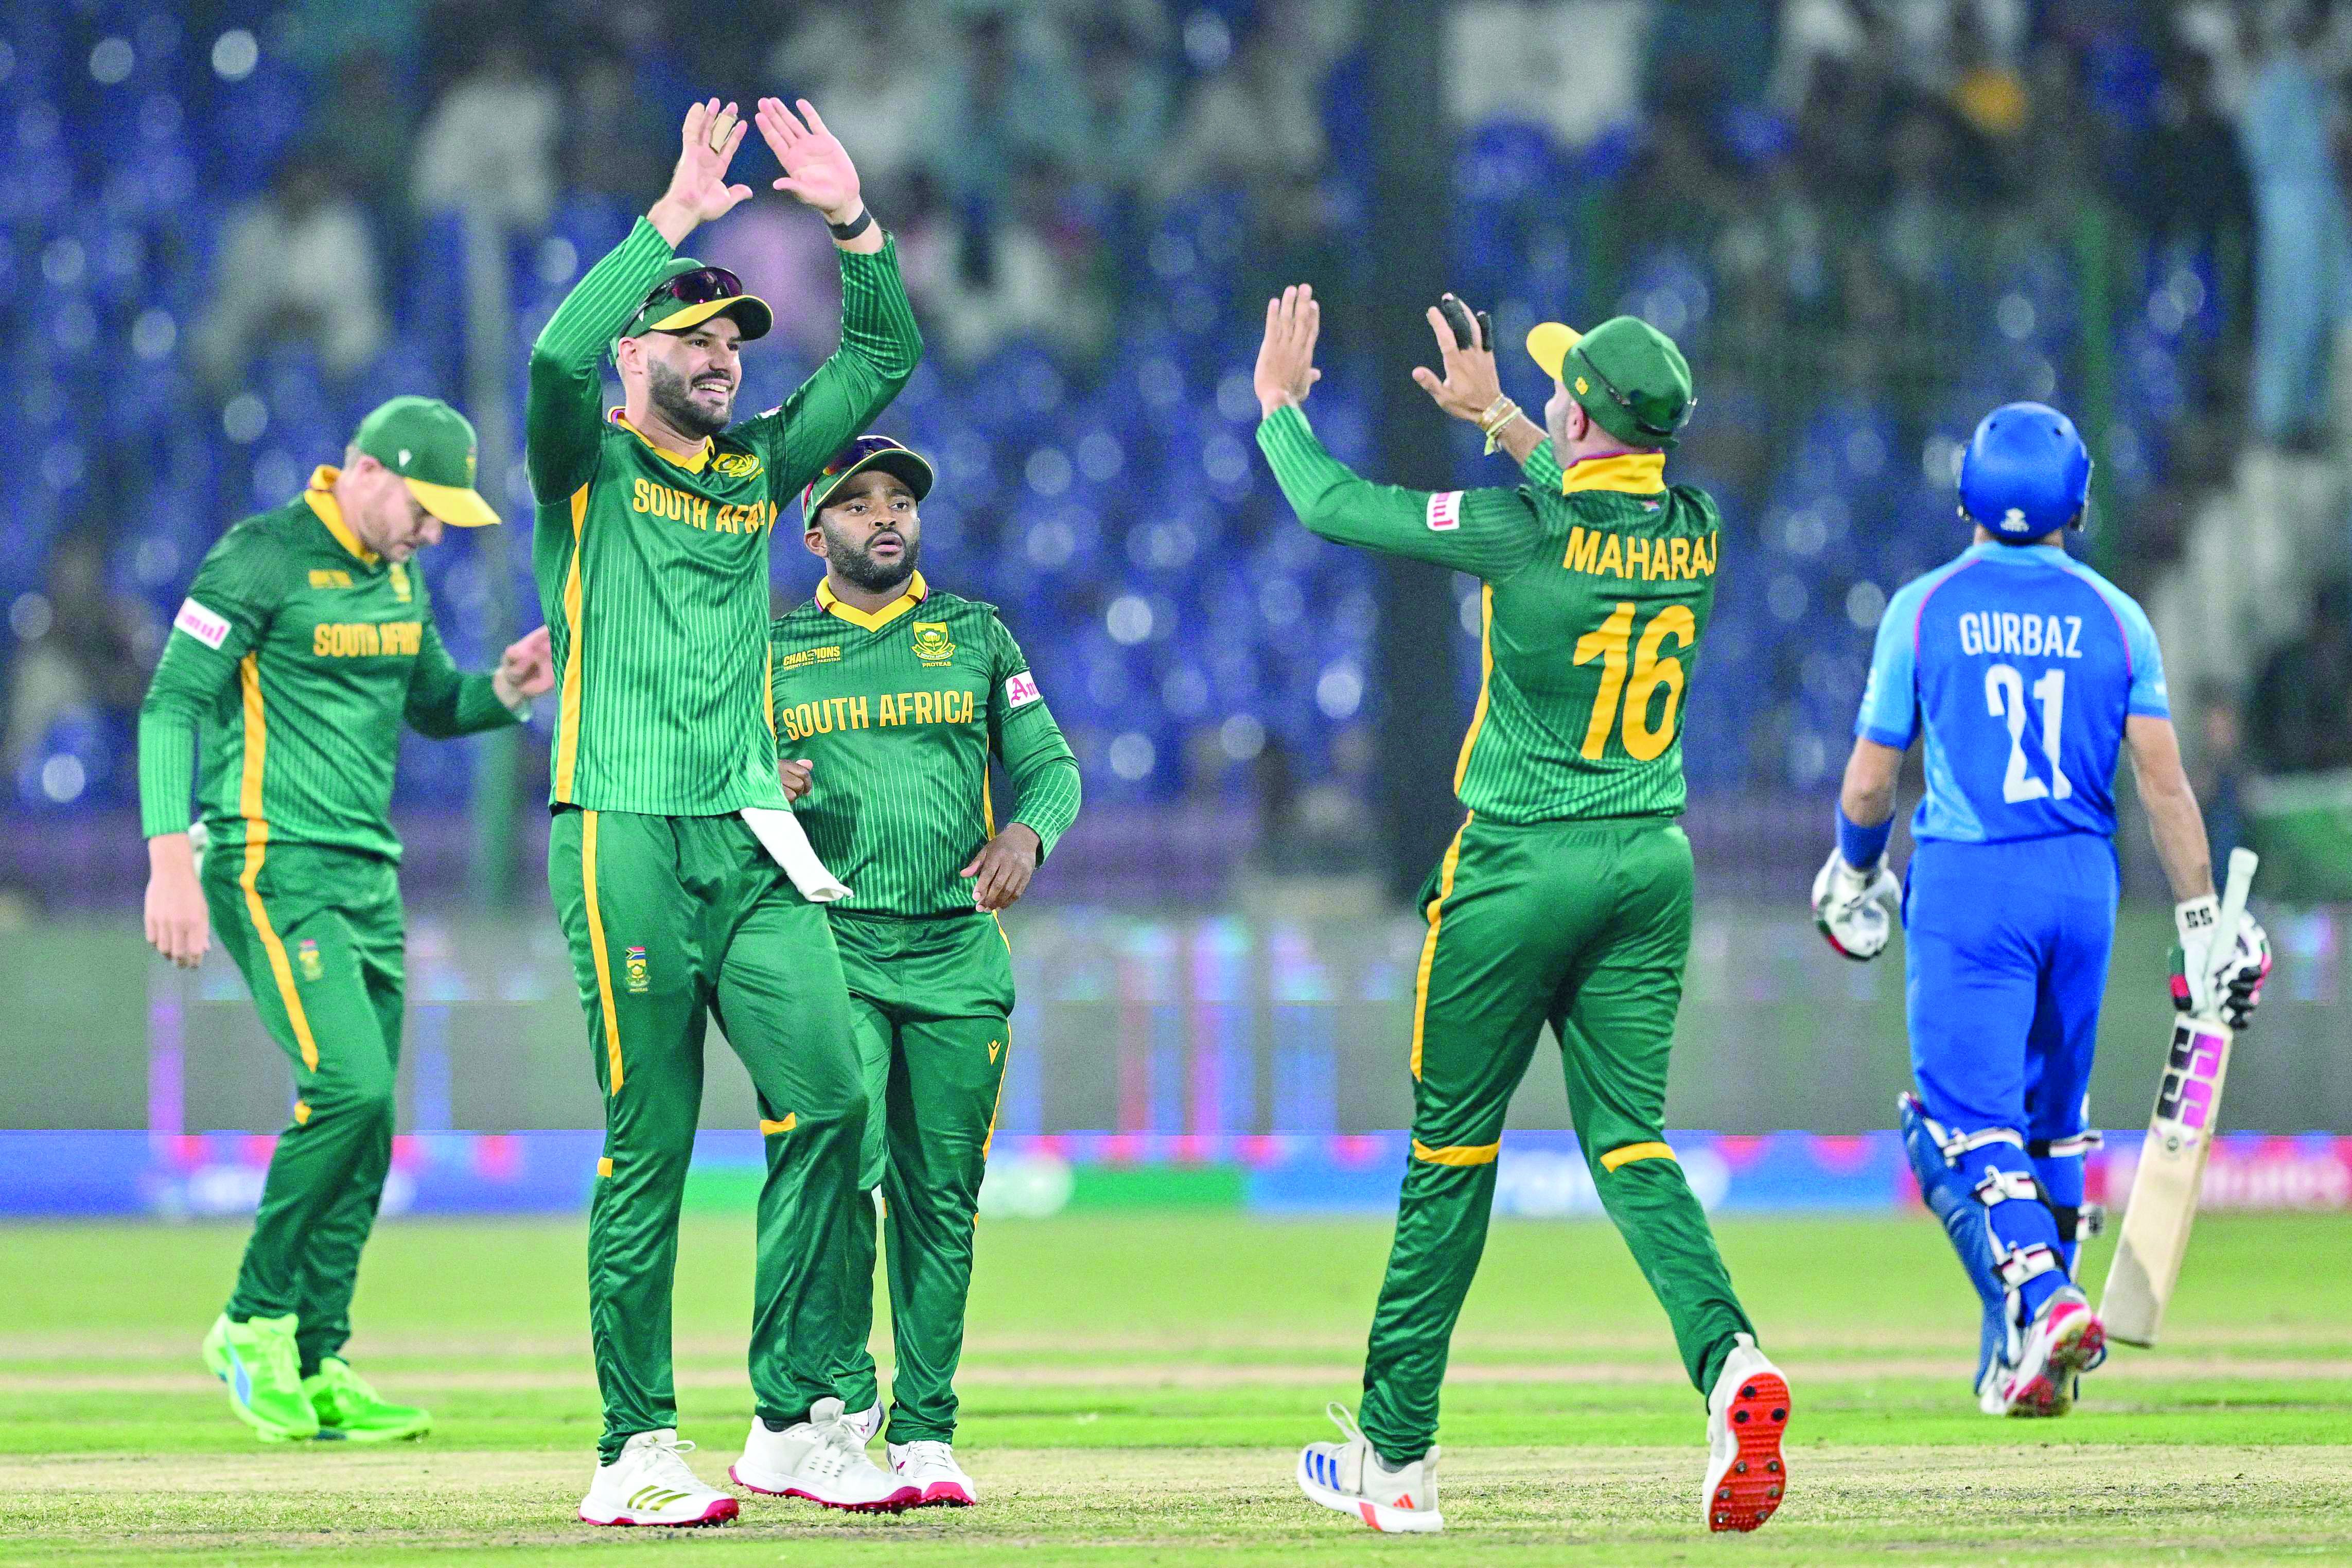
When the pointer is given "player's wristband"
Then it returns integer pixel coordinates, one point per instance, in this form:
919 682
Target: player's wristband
1862 847
1498 417
855 226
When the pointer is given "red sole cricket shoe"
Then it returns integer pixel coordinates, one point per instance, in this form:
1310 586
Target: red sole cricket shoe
896 1502
1745 1487
722 1511
944 1494
2077 1342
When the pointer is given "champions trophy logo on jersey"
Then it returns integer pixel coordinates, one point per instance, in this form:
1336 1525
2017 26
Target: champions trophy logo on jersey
736 465
640 979
306 955
932 644
400 589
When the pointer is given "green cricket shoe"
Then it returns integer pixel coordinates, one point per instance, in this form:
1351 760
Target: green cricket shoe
350 1411
258 1360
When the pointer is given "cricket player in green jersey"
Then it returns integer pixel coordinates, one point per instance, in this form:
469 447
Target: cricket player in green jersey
890 698
667 853
1566 896
305 642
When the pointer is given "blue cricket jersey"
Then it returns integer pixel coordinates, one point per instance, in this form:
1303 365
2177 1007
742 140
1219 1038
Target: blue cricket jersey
2021 664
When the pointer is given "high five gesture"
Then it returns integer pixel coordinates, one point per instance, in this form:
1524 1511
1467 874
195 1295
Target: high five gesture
817 170
699 191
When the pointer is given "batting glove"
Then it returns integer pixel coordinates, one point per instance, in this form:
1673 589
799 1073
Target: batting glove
1853 909
2214 972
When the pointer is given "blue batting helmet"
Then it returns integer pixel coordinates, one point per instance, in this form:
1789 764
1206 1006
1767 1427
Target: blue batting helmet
2025 472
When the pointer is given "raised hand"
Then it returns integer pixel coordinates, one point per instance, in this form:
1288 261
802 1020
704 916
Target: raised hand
817 170
699 191
1286 359
1470 385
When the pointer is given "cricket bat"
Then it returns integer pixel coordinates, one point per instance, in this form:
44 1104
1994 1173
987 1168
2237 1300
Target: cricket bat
2172 1159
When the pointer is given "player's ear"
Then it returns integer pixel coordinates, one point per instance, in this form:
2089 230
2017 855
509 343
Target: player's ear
813 538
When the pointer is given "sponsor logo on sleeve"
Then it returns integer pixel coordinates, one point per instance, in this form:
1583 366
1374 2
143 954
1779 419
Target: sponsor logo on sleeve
1021 690
204 625
1445 510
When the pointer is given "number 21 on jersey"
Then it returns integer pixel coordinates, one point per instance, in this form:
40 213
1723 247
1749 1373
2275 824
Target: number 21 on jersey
2005 699
1651 669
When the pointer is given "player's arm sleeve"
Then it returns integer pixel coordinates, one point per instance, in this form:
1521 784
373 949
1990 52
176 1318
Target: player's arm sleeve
880 346
227 609
1488 533
562 420
444 700
1542 469
1890 700
2148 696
1023 733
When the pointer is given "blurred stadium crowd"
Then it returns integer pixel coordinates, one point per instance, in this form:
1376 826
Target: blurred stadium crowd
233 228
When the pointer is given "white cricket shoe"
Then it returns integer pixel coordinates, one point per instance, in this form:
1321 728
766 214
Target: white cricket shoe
821 1460
866 1423
649 1484
1746 1415
1350 1477
2067 1339
930 1467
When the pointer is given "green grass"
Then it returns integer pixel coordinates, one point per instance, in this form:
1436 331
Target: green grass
1135 1388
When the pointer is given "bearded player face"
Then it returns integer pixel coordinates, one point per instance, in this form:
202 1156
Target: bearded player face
868 533
691 376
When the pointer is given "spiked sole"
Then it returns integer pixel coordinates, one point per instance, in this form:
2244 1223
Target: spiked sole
1750 1488
896 1502
2051 1392
722 1510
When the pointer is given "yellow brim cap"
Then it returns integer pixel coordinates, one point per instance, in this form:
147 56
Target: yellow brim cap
454 505
1549 343
752 313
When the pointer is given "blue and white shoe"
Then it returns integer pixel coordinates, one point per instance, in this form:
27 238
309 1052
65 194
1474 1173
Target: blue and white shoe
1348 1477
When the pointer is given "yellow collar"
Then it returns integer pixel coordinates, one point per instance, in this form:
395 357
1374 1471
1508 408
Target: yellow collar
874 620
321 497
691 465
1631 473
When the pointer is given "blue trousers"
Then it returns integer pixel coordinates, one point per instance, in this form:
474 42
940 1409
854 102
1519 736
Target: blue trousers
2005 964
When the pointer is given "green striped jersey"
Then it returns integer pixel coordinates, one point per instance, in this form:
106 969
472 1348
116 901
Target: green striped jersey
898 710
653 570
288 669
1597 587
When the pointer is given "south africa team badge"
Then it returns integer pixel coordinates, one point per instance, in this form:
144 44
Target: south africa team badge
306 955
639 977
932 644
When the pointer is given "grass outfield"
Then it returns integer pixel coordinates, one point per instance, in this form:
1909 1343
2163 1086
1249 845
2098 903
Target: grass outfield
1135 1389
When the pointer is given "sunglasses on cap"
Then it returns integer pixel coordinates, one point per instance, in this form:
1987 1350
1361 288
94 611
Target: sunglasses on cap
1622 401
699 287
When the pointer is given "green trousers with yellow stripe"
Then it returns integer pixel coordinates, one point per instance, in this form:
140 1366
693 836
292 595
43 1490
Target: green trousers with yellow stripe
1584 927
319 937
674 921
929 1000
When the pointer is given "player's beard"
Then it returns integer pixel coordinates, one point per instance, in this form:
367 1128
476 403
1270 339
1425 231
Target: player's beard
673 399
861 570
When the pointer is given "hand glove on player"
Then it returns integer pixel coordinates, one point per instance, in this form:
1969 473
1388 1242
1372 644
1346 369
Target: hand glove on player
2214 971
1853 909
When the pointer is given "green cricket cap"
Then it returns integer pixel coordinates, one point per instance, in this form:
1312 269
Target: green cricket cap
1629 376
687 293
911 468
431 446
